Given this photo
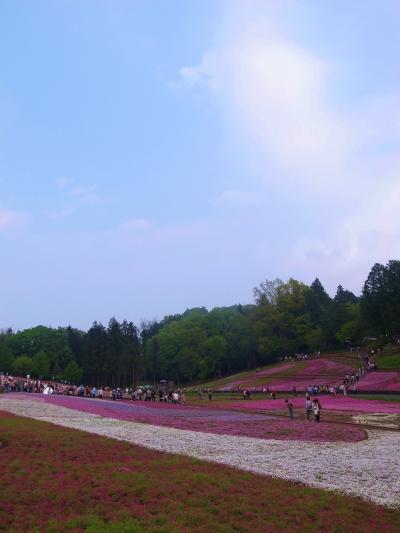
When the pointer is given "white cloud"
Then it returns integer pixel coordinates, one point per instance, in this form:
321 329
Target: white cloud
12 219
85 193
193 75
278 97
369 235
7 218
78 192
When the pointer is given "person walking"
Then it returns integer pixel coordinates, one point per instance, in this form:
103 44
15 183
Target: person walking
316 409
308 407
290 408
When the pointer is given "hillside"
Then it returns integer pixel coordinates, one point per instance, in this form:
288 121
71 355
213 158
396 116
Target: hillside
327 369
299 373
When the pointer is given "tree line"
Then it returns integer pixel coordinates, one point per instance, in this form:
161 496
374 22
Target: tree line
285 318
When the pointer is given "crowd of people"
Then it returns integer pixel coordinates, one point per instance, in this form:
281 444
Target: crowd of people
349 382
9 384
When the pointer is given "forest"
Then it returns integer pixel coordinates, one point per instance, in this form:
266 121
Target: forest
285 318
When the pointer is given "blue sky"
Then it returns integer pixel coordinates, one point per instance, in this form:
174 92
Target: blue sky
161 155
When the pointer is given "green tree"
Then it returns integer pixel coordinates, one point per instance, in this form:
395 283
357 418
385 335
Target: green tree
75 339
214 350
6 358
23 365
132 352
319 307
267 292
189 364
381 299
348 332
98 367
40 365
72 372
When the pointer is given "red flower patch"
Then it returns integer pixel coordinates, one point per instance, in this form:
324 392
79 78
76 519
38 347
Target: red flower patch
58 479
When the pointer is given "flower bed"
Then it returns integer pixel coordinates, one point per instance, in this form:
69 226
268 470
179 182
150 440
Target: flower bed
380 381
340 403
300 374
58 479
217 421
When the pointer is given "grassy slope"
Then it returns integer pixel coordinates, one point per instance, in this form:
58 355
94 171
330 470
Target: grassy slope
389 362
218 383
58 479
389 357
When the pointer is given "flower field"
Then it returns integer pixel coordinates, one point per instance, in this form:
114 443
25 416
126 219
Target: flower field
217 421
59 479
319 461
328 369
340 403
299 374
380 381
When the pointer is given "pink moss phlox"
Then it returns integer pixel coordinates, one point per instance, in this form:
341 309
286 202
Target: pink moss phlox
217 421
297 374
340 403
380 381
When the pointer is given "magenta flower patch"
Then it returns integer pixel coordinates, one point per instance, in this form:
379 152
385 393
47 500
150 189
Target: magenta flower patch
340 403
213 420
380 381
300 374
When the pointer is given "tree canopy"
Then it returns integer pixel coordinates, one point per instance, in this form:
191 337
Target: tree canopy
199 344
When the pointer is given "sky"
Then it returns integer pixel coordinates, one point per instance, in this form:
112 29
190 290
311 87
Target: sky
162 155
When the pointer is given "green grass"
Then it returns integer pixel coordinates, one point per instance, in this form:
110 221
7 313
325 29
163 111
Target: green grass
389 357
217 383
384 397
194 398
389 362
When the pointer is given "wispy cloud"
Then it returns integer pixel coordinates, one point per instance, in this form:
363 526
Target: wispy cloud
369 235
278 97
276 93
87 194
76 194
12 219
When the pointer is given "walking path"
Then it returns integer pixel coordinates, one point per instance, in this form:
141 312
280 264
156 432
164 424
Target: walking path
370 468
